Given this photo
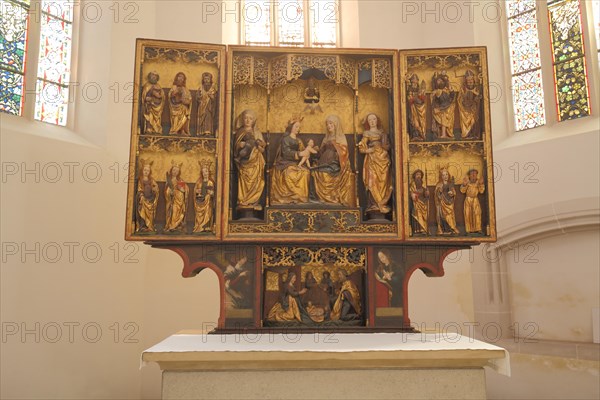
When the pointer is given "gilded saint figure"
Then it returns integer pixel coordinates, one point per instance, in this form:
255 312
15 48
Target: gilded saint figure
443 104
312 96
204 197
289 307
419 196
390 277
417 108
316 299
290 182
315 295
469 100
445 195
176 196
180 106
153 102
472 187
238 284
326 284
248 148
333 178
207 105
308 151
146 199
377 174
347 306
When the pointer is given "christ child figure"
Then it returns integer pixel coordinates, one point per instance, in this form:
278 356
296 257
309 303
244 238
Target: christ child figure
305 154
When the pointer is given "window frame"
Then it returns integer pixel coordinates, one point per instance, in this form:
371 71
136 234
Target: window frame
590 46
30 78
274 16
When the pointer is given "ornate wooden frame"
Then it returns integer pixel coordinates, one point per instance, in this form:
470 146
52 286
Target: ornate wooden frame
345 228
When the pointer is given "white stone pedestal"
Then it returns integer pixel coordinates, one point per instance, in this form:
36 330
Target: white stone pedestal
325 366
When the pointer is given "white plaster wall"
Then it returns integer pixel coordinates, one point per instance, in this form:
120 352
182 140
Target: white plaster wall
545 173
445 303
554 289
412 24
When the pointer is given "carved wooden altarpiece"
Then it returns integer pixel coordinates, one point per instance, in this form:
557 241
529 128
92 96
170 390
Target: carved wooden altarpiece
313 182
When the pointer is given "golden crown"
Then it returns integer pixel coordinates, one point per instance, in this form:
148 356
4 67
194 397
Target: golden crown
205 163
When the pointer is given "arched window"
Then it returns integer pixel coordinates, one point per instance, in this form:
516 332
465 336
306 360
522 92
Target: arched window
564 59
310 23
35 58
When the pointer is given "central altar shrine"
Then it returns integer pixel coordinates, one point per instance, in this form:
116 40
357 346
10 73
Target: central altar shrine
313 182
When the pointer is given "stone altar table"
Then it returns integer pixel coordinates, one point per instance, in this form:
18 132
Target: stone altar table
325 365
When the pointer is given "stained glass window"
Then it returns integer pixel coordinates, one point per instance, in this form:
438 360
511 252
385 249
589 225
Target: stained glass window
54 63
516 7
529 96
290 23
570 72
566 59
257 23
528 93
324 20
13 41
55 19
290 30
